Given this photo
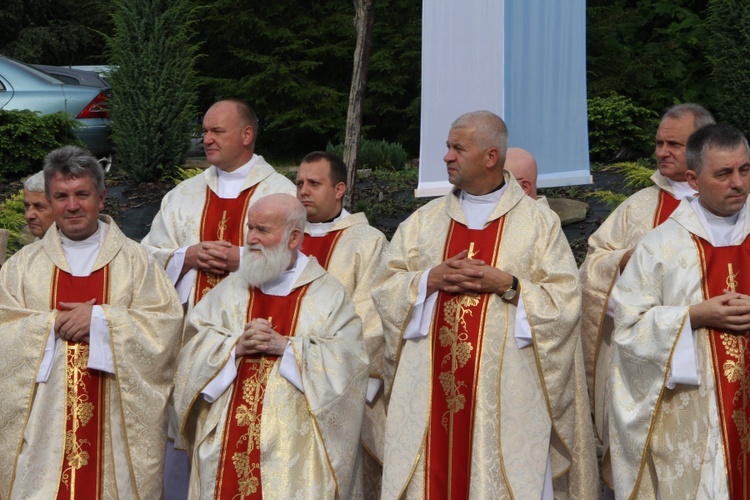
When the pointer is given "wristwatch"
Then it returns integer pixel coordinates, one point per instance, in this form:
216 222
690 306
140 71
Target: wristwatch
510 293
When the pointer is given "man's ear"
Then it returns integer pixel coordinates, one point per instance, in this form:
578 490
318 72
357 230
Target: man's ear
692 179
525 185
248 134
492 157
295 239
340 190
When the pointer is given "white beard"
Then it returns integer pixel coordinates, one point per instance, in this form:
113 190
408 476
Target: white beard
261 267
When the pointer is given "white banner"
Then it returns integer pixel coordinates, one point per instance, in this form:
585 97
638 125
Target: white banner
522 59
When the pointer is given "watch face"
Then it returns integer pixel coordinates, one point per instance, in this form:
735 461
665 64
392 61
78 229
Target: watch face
509 294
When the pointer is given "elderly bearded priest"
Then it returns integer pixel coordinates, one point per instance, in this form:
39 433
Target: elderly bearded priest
90 328
679 378
271 389
489 396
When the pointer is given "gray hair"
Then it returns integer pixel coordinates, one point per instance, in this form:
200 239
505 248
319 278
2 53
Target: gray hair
73 162
721 137
35 183
701 115
491 131
296 218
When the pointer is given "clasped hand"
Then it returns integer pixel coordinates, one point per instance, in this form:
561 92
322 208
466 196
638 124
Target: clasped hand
215 257
259 337
460 274
73 321
729 312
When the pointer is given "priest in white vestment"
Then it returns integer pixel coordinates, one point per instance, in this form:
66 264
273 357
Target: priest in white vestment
270 390
679 389
198 234
481 312
611 246
351 250
90 327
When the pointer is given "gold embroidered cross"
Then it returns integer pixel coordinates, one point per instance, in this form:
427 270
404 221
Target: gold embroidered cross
222 225
472 253
731 279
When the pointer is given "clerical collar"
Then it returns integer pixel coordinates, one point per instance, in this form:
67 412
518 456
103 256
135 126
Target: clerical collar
323 228
81 254
722 231
229 184
282 286
477 209
681 189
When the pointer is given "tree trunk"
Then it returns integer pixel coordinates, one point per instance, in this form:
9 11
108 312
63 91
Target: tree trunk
363 21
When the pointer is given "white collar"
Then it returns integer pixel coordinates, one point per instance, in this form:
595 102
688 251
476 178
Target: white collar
323 228
722 231
681 189
282 286
477 209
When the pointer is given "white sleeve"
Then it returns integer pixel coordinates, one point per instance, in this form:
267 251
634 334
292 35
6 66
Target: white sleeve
100 353
174 268
288 368
373 387
684 368
522 326
50 348
222 381
418 324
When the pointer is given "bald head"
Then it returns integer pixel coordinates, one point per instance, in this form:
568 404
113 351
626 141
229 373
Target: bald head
522 165
284 207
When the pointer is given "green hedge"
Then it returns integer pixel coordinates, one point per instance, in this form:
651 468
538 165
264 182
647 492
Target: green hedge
375 154
26 137
617 125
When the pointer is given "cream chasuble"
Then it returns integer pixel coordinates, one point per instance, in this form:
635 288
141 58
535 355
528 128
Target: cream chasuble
530 403
666 441
622 230
178 223
353 255
308 440
144 321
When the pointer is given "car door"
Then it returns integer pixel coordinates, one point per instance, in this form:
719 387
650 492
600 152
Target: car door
6 92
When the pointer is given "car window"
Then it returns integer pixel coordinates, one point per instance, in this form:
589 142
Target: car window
66 79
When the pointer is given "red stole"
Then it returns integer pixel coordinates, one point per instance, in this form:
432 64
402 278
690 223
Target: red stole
321 247
664 207
240 462
81 476
457 337
223 219
730 355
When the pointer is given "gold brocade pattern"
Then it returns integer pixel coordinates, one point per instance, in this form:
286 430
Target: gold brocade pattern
455 337
735 371
79 410
249 415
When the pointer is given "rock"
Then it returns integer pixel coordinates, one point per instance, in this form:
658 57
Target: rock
569 211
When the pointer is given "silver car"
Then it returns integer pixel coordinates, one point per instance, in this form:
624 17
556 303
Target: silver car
25 87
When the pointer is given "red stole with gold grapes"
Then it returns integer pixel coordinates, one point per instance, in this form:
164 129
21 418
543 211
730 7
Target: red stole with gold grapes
240 460
222 220
81 476
456 337
730 355
321 247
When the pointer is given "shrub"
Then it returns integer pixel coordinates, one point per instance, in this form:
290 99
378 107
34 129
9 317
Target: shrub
618 128
729 56
12 218
154 85
375 154
637 176
26 137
